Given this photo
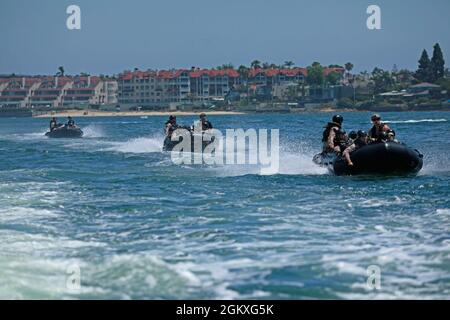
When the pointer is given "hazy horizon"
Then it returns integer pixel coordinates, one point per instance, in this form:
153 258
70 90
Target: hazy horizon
157 34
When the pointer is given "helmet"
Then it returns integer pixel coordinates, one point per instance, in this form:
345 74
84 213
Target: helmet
338 119
202 115
361 134
353 135
375 117
172 117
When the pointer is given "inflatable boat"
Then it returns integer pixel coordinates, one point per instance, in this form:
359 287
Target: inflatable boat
170 143
65 132
379 158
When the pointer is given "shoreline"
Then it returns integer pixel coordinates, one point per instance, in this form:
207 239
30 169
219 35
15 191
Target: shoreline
86 114
95 113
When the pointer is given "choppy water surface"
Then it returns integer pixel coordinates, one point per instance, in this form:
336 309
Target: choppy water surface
140 227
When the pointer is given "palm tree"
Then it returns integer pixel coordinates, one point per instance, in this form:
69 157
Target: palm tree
349 67
225 66
256 64
243 71
288 64
60 72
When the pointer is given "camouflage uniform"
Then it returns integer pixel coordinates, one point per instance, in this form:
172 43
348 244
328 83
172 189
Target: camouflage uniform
374 132
333 138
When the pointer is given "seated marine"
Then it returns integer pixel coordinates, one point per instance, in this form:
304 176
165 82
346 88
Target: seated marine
70 122
360 142
203 124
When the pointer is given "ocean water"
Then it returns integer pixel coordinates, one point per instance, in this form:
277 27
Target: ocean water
140 227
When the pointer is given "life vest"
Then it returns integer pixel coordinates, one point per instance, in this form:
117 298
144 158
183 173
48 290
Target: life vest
374 132
340 138
171 129
206 125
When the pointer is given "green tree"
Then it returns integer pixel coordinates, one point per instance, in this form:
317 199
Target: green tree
225 66
395 69
256 64
437 63
404 77
423 73
383 80
315 75
333 78
243 71
349 67
445 84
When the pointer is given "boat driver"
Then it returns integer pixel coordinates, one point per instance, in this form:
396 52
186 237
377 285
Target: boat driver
53 124
170 126
334 138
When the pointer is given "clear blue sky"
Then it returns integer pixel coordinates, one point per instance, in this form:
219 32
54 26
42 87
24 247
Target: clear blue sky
118 35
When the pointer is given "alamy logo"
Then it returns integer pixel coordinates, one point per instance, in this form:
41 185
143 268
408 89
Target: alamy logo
373 277
237 147
74 20
73 281
374 20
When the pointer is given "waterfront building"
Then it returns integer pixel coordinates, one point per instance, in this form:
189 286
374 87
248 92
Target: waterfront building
210 85
15 92
56 91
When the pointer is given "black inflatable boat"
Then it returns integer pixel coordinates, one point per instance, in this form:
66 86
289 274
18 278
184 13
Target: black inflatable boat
65 132
170 143
378 158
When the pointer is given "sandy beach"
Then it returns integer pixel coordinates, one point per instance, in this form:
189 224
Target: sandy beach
89 113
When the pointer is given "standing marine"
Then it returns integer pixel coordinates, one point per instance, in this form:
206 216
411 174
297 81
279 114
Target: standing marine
378 129
53 124
170 126
334 138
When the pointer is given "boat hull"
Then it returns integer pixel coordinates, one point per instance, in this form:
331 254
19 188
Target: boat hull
65 132
170 144
380 158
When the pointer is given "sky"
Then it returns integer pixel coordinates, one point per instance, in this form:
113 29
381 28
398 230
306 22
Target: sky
159 34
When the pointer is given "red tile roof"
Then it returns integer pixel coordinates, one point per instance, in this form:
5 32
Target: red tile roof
128 75
62 81
171 74
327 71
214 73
